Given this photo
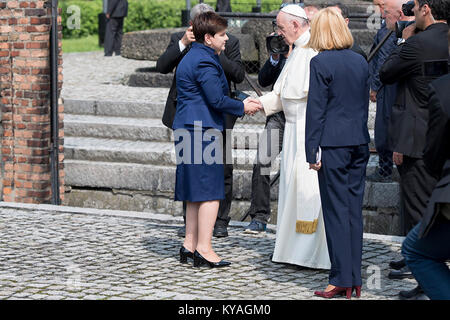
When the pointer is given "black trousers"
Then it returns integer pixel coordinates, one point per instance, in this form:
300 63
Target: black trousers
113 36
416 186
260 199
223 217
385 100
342 183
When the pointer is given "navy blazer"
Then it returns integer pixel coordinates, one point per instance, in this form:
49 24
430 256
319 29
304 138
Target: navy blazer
380 57
338 101
203 90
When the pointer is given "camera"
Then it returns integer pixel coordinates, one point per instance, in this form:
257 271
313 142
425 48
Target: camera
400 26
407 8
276 45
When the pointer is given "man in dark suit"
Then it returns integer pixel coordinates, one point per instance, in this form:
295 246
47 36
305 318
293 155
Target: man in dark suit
384 96
409 118
230 59
426 247
408 123
116 12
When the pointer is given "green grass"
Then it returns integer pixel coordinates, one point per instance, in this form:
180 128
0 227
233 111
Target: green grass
89 43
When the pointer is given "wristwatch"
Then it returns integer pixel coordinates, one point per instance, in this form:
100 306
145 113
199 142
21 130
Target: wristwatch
400 41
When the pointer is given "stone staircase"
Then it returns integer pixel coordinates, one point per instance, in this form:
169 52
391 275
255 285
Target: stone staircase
120 156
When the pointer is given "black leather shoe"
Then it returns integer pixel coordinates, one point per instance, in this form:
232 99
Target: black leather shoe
200 261
182 232
415 294
397 265
403 273
185 254
220 232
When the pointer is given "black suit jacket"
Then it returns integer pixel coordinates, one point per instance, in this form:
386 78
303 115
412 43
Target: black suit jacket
230 60
437 151
117 8
269 73
409 118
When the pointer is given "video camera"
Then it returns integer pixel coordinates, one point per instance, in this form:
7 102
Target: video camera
275 44
407 9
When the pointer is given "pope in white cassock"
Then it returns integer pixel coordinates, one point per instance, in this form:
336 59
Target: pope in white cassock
300 237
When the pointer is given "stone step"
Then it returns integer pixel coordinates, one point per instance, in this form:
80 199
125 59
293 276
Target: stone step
126 109
244 136
141 152
156 153
160 181
384 221
132 110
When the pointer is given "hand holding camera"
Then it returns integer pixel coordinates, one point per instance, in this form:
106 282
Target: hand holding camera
188 37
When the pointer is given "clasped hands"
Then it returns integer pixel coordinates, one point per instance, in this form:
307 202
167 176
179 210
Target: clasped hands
252 106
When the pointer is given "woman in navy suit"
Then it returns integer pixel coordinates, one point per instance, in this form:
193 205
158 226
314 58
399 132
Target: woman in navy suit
337 145
202 101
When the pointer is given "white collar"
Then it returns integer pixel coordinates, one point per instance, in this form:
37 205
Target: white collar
303 39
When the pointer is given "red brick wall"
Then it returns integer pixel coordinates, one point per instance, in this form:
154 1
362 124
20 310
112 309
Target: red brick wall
25 95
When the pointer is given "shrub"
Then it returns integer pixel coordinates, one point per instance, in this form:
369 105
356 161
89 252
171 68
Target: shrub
142 14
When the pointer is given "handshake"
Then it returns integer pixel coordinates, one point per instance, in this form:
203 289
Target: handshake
252 106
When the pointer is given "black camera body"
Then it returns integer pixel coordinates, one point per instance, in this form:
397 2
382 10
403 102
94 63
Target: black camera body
276 45
400 26
407 8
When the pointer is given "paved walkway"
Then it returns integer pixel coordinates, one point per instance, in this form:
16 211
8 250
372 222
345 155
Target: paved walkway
49 252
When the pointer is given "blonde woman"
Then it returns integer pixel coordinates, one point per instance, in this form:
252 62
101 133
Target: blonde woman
337 145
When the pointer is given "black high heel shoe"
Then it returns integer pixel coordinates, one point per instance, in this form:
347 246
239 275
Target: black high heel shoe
200 261
185 254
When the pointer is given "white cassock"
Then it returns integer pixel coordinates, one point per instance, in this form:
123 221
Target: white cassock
300 237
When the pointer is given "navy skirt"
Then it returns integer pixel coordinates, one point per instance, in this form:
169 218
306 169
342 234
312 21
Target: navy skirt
200 170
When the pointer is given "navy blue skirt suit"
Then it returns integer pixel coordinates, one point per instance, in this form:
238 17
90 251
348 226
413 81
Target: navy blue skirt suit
336 121
199 120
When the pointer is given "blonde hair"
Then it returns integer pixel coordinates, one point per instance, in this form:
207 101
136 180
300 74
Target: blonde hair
329 31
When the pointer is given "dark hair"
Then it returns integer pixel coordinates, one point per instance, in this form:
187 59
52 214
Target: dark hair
343 7
439 8
208 23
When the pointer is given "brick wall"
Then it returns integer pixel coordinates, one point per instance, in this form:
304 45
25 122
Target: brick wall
25 95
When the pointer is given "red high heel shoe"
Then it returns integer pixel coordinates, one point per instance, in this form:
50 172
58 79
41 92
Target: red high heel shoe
336 291
358 291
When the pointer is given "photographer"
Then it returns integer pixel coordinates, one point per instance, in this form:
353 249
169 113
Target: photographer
422 41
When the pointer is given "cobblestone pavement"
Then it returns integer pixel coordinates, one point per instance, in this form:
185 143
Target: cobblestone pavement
48 253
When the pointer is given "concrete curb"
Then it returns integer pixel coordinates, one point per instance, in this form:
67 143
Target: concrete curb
156 217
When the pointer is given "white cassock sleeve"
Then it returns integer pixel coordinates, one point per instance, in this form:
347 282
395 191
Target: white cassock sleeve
271 103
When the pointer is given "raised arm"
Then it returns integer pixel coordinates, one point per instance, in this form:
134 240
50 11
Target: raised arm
170 59
401 63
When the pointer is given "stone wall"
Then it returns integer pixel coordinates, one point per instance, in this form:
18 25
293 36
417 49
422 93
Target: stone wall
25 96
